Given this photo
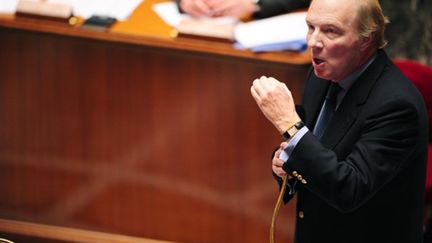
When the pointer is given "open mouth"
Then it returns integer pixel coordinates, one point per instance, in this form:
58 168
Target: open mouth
318 61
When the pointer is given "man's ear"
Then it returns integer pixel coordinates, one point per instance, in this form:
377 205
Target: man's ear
366 42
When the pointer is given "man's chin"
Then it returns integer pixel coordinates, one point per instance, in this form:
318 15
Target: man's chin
321 74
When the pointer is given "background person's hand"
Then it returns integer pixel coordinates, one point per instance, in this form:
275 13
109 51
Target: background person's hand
198 8
232 8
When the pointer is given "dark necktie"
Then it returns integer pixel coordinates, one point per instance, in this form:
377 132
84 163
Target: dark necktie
328 109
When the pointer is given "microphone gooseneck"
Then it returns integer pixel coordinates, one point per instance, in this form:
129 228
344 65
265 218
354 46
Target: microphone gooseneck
276 208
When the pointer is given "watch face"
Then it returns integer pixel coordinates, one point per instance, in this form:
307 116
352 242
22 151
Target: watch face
292 131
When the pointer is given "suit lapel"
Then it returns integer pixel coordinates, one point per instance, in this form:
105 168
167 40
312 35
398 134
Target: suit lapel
353 101
313 99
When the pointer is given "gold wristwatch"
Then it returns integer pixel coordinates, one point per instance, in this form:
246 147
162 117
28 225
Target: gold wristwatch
290 132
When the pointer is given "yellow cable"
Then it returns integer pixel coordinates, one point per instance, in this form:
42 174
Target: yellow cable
276 209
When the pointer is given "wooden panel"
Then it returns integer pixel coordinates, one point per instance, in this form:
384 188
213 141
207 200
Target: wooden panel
139 140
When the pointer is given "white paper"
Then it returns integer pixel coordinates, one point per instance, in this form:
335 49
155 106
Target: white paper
8 6
169 13
112 8
284 28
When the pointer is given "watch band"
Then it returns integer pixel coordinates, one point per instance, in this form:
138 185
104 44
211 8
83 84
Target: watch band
290 132
257 5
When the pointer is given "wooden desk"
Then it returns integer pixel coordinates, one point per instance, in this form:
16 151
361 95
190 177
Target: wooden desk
17 231
135 133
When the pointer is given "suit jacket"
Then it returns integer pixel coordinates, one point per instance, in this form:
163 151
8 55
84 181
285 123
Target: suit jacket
364 181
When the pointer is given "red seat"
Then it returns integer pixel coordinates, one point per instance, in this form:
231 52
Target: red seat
421 76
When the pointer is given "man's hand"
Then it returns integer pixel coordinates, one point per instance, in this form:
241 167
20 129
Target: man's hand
197 8
233 8
218 8
276 102
277 163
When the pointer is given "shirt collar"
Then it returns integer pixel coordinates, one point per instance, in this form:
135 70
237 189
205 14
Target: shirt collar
346 83
349 81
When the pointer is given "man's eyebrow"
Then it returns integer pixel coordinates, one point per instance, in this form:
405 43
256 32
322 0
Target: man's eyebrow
330 25
334 26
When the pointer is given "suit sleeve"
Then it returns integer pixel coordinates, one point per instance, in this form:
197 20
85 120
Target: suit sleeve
178 6
386 142
270 8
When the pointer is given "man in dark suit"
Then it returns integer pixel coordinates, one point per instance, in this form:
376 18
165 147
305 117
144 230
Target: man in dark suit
240 8
356 158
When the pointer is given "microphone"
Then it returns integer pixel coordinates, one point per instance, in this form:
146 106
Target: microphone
302 114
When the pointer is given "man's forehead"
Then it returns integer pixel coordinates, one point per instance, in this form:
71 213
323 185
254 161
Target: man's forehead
334 6
331 12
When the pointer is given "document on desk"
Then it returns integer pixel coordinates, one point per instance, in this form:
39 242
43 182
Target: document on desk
169 13
221 27
8 6
283 32
110 8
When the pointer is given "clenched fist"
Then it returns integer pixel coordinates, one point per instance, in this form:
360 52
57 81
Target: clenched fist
275 101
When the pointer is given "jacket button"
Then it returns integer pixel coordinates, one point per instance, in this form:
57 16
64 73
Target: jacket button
294 173
301 214
300 177
304 181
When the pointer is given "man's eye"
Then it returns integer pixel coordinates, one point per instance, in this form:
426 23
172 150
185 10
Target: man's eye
331 33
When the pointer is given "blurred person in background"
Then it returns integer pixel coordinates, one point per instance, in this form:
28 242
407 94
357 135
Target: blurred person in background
255 9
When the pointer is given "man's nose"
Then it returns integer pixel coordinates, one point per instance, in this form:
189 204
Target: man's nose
314 40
